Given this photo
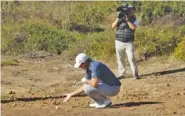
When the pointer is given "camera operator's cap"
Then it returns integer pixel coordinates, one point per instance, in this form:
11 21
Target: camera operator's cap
80 58
130 6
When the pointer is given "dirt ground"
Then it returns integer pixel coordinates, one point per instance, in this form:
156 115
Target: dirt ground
34 88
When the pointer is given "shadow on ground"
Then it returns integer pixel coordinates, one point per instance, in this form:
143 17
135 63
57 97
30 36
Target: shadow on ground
164 72
131 104
29 99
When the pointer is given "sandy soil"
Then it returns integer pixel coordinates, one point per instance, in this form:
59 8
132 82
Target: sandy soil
35 86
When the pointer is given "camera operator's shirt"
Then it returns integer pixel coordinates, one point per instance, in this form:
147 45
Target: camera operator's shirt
136 22
102 72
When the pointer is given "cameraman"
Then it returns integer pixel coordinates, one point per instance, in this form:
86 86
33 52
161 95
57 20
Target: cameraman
125 24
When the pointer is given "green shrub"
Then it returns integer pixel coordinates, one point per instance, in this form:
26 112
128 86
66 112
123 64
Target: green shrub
97 45
44 38
91 14
156 41
12 39
180 50
7 62
35 37
151 10
29 26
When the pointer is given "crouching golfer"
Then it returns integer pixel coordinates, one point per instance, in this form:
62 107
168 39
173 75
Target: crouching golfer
99 82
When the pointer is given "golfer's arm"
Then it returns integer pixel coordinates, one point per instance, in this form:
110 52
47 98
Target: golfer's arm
93 82
80 90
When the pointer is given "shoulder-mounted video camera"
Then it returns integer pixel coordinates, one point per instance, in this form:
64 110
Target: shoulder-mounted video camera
122 11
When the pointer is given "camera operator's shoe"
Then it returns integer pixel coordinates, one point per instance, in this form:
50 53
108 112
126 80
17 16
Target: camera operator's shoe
136 76
121 77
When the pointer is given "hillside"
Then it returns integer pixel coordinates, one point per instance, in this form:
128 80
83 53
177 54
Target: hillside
73 27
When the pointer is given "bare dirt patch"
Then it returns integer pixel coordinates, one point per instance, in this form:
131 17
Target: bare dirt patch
34 87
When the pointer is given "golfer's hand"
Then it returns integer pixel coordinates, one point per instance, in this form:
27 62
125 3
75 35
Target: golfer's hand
83 80
68 96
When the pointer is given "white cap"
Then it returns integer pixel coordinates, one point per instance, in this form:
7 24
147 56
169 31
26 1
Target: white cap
80 58
130 6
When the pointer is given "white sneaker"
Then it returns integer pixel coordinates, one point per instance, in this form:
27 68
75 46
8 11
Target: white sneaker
93 104
106 103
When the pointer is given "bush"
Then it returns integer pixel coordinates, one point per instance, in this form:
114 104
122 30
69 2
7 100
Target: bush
42 38
156 41
180 50
12 62
97 45
12 39
151 10
91 14
29 26
35 37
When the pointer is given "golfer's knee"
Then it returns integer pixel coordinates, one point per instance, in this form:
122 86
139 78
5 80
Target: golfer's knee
89 89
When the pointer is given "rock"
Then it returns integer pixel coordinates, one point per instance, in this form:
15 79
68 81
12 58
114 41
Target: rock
56 107
56 68
29 92
167 85
23 105
74 83
11 92
54 102
13 104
